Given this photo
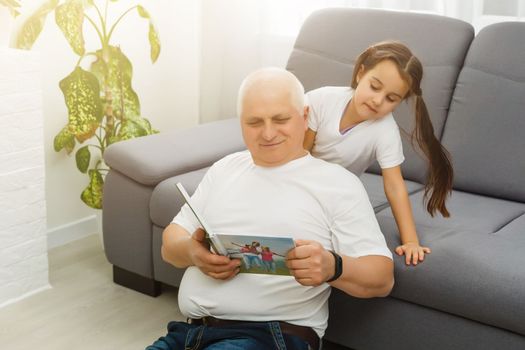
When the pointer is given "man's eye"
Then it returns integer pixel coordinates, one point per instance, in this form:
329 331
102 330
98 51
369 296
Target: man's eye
254 123
281 121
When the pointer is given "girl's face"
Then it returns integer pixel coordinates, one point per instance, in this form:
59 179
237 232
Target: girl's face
379 91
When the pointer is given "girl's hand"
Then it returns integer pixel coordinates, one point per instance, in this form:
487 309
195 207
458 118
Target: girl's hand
413 252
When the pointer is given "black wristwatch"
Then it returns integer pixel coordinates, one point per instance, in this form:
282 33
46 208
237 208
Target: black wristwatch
338 266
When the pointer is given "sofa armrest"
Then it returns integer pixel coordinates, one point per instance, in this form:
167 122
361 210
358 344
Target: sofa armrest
152 159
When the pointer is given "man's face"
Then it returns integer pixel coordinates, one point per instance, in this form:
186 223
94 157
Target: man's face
273 130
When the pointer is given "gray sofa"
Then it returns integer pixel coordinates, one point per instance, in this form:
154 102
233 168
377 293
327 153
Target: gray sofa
470 292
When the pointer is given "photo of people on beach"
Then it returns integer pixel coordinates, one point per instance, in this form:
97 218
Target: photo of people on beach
259 254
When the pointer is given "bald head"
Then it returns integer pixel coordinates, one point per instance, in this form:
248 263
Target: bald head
271 80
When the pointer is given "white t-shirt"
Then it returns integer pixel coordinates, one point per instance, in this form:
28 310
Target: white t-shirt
359 147
306 198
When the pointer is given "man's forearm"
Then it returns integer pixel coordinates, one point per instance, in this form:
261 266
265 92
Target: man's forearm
366 277
175 246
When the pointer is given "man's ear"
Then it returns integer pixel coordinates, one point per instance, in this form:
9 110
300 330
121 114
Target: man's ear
306 110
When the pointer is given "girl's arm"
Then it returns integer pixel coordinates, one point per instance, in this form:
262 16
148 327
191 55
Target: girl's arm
397 196
309 138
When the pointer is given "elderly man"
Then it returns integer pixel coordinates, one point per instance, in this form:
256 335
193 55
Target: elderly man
274 188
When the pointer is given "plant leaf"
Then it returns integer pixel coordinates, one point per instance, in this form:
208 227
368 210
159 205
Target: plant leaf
64 139
32 27
69 18
82 94
131 129
11 5
83 157
92 194
114 75
135 128
153 35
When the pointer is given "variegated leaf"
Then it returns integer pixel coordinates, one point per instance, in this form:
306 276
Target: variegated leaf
83 157
131 129
115 77
153 35
64 139
12 6
31 28
92 194
69 18
82 95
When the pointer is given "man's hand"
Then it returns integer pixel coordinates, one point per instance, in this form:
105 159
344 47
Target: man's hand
413 252
310 263
213 265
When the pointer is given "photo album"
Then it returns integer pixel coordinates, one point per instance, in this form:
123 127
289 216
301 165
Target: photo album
258 254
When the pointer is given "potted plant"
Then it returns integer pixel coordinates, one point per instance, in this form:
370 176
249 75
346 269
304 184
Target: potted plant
102 106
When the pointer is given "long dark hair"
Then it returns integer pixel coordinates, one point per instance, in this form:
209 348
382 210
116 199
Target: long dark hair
440 173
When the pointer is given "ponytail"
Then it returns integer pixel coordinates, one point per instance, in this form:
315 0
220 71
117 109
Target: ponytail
440 173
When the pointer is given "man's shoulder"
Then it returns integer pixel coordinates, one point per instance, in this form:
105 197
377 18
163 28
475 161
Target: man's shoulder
336 172
234 159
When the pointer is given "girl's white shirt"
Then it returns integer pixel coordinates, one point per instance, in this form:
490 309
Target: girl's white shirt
358 148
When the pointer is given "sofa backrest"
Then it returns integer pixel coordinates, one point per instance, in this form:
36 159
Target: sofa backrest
330 40
485 129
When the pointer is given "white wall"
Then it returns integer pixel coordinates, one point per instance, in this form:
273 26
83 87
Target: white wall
23 244
234 43
168 91
230 49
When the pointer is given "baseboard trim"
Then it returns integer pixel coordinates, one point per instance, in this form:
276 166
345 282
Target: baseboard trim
26 295
72 231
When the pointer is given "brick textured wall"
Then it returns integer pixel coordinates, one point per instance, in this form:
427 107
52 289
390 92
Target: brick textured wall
23 241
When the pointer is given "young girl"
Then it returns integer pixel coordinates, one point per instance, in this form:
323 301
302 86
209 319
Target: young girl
355 127
267 259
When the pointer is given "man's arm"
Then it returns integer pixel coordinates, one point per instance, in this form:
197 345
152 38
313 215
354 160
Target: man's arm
364 277
181 249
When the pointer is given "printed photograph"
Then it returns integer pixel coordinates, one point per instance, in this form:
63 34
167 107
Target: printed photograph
259 254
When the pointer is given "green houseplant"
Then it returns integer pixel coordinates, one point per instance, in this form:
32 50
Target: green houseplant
12 6
102 106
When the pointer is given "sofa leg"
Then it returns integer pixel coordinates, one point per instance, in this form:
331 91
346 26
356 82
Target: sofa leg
136 282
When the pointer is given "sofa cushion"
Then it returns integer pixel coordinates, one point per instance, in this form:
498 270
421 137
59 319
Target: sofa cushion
166 200
330 40
151 159
468 212
484 129
162 271
475 274
376 192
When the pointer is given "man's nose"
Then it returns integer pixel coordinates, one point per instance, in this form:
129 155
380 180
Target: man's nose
269 131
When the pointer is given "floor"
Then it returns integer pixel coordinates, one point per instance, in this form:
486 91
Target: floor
85 309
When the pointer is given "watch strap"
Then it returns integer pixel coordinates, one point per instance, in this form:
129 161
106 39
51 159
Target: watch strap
338 266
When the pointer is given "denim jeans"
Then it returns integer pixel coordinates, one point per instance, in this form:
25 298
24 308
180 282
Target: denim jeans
244 336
